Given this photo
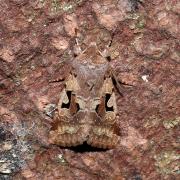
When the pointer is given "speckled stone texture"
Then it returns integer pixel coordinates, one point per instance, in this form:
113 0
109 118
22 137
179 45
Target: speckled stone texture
37 36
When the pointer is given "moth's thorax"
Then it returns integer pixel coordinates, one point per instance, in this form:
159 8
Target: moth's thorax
90 70
90 81
92 56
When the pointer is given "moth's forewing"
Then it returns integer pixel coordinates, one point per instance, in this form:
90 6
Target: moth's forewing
66 130
103 133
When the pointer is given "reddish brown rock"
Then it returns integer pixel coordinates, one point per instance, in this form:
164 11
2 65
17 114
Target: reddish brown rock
7 55
151 48
36 37
110 13
169 21
60 43
70 24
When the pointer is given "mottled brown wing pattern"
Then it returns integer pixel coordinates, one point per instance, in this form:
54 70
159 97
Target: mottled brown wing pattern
66 130
103 133
87 106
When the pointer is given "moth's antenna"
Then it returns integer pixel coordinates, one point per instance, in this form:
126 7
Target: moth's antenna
77 48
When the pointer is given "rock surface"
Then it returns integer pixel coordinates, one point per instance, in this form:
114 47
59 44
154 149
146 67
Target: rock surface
37 36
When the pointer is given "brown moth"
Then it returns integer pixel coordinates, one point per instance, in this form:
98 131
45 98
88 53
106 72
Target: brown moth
87 107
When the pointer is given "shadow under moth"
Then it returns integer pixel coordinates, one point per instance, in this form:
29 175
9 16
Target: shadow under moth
87 109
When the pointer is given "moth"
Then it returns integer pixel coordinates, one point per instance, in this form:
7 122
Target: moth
87 109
